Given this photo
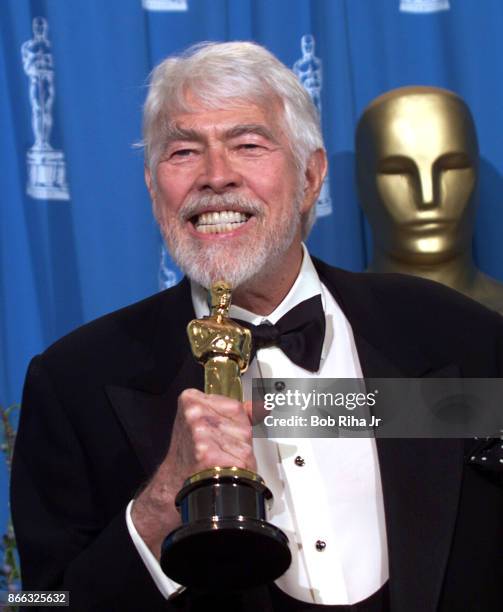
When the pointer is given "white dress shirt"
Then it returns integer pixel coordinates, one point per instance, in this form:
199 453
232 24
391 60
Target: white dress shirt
336 496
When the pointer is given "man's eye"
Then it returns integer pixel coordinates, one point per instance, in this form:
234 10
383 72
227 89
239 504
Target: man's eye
250 147
182 153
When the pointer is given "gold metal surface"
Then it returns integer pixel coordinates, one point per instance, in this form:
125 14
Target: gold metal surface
222 346
221 472
417 166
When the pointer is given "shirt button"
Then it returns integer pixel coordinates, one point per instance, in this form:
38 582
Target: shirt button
320 545
299 461
279 385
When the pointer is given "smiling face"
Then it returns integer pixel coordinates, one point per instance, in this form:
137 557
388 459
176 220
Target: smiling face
227 194
417 158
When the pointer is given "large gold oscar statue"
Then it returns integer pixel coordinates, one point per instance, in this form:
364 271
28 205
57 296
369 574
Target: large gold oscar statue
225 541
417 163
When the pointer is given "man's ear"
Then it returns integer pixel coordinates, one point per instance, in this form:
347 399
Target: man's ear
149 180
316 170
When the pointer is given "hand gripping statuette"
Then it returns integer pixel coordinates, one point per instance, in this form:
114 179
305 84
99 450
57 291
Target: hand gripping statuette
224 541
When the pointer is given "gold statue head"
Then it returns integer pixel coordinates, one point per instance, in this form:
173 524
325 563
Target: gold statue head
416 164
220 297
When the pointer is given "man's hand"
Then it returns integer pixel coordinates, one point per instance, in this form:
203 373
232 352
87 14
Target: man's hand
209 430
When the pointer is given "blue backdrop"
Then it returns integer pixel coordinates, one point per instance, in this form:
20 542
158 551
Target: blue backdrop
77 238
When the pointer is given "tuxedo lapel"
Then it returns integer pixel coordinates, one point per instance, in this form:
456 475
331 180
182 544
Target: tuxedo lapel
421 478
146 407
147 418
421 481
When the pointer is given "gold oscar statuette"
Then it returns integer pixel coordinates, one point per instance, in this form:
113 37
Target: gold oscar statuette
224 541
222 346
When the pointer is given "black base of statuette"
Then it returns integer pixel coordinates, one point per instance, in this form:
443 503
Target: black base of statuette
225 541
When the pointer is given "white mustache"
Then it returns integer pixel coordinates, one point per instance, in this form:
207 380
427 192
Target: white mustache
196 205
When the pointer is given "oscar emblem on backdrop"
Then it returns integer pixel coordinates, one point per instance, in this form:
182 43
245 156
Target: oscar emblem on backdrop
46 166
167 276
225 540
309 72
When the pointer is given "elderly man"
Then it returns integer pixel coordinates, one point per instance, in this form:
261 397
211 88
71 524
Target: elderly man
114 420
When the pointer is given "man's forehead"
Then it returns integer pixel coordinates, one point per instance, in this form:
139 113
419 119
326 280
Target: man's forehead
230 121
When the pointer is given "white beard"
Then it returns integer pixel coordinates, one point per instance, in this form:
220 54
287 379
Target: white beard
241 258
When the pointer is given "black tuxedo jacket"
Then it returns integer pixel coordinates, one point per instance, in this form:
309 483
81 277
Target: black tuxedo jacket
97 413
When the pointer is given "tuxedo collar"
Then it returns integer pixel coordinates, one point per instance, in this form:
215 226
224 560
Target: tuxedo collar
146 407
420 478
382 352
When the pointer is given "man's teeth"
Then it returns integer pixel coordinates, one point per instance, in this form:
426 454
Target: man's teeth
225 216
224 221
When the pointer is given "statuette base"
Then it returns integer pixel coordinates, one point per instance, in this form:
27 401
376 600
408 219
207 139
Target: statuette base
228 553
225 541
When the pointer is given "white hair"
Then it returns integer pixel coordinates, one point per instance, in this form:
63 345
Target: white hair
214 74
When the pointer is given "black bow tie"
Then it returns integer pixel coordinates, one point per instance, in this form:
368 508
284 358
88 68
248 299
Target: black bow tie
299 334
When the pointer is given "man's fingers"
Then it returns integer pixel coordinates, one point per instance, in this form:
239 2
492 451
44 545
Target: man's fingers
224 444
189 395
255 411
243 434
223 451
249 409
226 407
240 453
194 401
217 429
193 412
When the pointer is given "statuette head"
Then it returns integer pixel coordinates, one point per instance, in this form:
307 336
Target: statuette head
220 297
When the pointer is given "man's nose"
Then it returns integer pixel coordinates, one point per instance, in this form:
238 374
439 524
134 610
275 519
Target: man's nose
218 173
426 186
